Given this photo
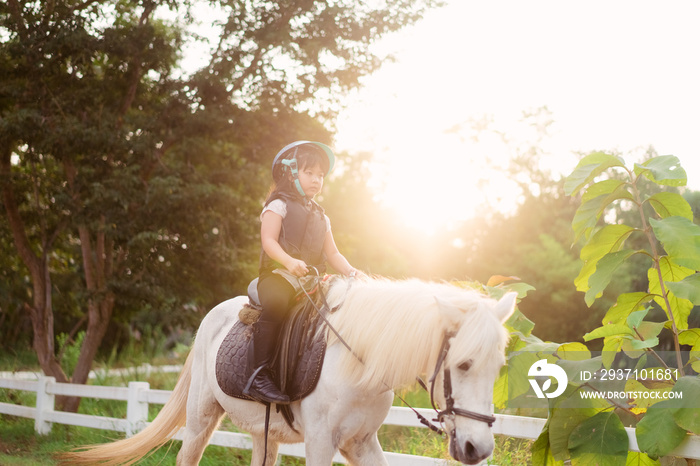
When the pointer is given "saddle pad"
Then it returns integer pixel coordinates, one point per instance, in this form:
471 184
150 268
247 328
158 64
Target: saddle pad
298 361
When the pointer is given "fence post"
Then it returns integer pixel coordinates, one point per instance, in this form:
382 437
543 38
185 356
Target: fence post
136 411
45 404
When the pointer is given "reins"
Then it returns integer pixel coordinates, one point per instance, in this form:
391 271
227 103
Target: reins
450 409
326 308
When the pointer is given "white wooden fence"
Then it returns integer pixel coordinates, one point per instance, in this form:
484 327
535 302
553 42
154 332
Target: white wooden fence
139 395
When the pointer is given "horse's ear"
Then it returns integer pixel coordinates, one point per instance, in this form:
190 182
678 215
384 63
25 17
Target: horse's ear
450 314
505 306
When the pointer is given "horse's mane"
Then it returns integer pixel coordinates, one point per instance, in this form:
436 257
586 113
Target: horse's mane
396 329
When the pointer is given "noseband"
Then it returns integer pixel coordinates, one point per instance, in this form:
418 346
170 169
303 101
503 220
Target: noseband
450 409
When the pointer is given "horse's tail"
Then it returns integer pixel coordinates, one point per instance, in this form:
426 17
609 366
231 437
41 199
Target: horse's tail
127 451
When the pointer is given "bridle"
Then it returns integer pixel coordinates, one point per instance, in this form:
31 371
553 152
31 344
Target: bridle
450 408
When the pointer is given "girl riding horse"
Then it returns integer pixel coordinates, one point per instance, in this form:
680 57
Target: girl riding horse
296 235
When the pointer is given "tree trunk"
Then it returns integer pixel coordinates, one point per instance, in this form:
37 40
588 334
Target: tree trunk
41 310
97 262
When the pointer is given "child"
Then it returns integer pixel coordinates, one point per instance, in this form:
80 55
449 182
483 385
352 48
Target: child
296 235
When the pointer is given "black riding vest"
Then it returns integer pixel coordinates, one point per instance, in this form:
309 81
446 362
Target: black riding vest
302 235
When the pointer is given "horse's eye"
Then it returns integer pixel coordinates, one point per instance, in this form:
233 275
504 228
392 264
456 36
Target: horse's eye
465 365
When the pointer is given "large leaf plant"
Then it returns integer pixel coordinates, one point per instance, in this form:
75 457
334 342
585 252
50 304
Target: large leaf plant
591 431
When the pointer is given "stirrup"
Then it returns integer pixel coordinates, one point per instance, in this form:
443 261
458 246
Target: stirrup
246 390
259 395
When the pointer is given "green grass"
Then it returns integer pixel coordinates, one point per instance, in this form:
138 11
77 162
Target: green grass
20 446
18 360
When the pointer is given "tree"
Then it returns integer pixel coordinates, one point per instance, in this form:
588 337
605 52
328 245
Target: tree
664 221
127 183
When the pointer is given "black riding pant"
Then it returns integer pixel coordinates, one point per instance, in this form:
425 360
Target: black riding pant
276 295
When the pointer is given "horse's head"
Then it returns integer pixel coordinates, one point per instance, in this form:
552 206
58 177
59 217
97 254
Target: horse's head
475 344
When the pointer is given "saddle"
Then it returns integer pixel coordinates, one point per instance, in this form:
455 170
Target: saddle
298 359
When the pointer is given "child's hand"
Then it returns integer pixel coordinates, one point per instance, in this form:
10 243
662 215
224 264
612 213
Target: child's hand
297 267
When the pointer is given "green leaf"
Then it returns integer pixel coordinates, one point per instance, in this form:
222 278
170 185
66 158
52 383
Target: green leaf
650 330
600 440
521 288
689 337
688 288
664 170
680 238
604 272
608 331
670 205
519 323
542 452
658 419
670 272
515 380
594 202
574 368
695 360
541 347
645 333
645 336
609 239
646 396
602 188
611 345
637 458
588 168
625 305
640 344
588 269
636 318
573 351
566 415
687 415
587 216
500 389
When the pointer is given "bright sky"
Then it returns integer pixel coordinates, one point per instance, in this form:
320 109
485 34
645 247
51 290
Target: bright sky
618 75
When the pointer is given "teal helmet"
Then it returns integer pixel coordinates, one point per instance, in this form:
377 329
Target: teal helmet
286 161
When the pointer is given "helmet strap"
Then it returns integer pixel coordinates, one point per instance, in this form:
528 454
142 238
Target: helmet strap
291 164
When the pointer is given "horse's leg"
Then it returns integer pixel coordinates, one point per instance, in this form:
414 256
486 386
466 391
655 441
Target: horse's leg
320 449
337 415
259 451
364 450
361 449
204 414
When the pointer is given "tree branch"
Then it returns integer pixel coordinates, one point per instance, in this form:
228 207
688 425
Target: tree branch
19 232
657 265
84 5
16 12
88 263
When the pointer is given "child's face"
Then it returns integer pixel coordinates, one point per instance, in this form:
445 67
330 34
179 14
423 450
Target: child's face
311 180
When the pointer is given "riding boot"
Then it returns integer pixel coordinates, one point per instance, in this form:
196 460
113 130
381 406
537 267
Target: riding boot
260 385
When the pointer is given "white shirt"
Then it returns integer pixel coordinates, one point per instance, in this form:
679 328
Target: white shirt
279 207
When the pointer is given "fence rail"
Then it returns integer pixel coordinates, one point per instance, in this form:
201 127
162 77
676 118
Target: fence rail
138 395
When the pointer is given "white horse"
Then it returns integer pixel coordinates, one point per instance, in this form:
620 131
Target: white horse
397 330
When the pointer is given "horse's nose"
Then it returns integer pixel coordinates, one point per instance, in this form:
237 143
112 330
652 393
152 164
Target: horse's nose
469 450
472 455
